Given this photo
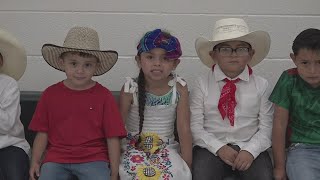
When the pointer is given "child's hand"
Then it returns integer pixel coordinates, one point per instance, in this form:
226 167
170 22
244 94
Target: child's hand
279 174
115 177
227 154
34 171
243 161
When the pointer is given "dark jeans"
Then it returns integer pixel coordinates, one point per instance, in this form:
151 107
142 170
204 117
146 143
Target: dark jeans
207 166
14 164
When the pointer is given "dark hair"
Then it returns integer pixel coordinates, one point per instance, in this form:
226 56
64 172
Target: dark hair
1 57
81 54
217 45
142 98
307 39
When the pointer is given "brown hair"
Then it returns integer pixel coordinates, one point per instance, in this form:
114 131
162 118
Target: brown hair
81 54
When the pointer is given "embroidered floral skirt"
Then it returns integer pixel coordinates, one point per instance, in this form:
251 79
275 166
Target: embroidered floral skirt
152 158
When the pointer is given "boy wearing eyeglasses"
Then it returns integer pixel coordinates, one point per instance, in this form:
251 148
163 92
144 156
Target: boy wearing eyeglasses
231 116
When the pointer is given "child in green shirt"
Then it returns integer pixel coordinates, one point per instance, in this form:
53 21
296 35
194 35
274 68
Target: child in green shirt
297 112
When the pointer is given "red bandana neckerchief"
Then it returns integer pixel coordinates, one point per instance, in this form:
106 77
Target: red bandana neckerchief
227 101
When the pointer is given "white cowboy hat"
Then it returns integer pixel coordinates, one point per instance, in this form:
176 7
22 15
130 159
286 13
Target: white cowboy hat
13 54
80 39
233 29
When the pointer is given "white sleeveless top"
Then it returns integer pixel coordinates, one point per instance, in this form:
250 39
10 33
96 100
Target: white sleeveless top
162 160
158 119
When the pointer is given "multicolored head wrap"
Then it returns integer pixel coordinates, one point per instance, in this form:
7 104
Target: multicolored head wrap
158 39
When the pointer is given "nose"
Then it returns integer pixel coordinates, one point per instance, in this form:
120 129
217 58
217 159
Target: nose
312 69
234 53
80 69
157 61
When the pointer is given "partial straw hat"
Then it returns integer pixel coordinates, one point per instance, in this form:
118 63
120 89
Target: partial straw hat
233 29
13 54
81 39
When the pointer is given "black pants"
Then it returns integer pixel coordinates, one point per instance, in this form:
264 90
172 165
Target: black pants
207 166
14 164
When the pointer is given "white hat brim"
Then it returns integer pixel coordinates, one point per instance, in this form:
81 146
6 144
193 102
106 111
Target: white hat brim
51 54
14 56
259 41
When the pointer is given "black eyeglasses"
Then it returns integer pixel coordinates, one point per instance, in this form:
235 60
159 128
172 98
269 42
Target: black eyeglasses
227 51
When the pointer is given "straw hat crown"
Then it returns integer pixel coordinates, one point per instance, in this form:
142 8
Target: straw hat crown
82 38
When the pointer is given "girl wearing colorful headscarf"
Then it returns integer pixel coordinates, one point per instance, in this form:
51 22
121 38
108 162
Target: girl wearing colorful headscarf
151 105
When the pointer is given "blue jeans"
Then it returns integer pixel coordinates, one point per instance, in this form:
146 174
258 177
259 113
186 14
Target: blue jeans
303 162
98 170
207 166
14 164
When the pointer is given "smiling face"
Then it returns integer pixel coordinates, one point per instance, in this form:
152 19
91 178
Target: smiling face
155 64
232 64
308 65
79 70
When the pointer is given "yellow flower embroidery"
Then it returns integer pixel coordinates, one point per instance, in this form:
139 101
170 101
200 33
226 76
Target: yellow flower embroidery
148 173
150 142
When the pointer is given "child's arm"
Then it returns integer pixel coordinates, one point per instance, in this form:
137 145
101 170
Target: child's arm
280 123
39 146
183 124
114 155
9 106
125 102
261 140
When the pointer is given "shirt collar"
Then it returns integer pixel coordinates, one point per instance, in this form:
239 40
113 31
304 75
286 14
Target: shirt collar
219 75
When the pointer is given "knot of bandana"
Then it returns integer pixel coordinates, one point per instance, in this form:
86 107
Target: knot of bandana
158 39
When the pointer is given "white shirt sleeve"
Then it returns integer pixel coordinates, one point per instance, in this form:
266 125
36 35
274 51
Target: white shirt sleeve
9 106
261 140
200 136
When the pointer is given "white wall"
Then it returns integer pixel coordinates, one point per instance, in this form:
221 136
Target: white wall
120 24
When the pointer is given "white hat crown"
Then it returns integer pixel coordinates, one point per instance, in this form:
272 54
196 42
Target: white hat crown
229 28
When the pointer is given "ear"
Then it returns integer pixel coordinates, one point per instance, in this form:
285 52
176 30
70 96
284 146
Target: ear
98 64
294 59
252 52
61 63
212 54
176 63
137 58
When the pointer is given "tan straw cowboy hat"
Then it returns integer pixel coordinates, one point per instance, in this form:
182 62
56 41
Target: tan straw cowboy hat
233 29
81 39
13 54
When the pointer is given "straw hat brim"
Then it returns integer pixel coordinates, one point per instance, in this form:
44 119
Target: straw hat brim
259 41
107 59
14 56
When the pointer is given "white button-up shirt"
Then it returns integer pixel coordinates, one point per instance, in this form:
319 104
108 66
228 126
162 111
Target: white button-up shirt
253 113
11 128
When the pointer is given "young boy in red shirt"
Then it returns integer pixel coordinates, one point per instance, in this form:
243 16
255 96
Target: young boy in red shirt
77 119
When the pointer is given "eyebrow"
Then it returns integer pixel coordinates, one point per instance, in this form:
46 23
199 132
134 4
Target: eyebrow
238 45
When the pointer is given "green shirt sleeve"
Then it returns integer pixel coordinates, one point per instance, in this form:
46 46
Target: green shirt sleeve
281 92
